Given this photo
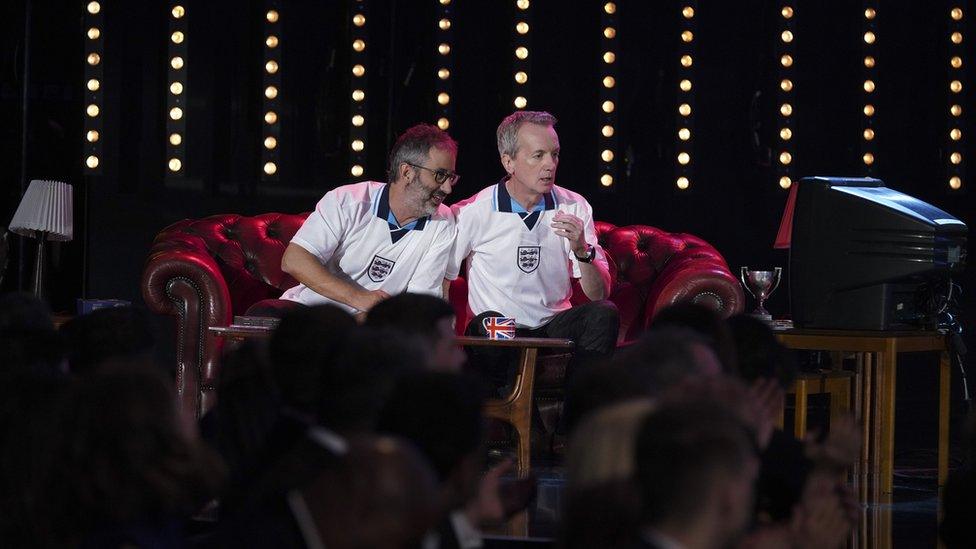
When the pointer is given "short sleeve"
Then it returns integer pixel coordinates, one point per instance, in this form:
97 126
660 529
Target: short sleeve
462 241
321 233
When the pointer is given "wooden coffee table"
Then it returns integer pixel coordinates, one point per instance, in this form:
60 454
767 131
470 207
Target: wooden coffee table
516 407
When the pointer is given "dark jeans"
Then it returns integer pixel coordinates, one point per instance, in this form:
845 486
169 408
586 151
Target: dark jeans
274 308
592 326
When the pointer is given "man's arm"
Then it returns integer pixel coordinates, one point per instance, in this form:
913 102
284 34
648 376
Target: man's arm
594 276
306 268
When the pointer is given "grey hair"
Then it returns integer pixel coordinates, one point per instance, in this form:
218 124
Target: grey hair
413 147
507 133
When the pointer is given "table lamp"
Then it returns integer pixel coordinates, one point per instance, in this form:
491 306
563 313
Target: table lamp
45 213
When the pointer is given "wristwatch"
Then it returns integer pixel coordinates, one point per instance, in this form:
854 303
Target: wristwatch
590 254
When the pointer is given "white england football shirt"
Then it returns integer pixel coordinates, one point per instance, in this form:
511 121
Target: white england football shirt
354 235
516 264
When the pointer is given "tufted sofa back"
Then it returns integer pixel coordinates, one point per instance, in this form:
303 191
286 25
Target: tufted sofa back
247 251
204 271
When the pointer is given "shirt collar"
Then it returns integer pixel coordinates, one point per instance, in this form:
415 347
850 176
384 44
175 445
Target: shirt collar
505 203
383 211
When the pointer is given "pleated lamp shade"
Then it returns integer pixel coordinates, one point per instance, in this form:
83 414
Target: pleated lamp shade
46 208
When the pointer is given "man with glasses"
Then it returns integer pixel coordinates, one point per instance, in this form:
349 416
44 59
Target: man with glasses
524 239
367 241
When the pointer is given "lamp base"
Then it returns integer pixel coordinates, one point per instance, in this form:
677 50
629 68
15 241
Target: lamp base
38 287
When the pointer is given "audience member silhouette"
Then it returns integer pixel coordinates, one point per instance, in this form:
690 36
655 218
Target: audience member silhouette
601 502
441 414
696 467
381 495
424 316
28 340
705 322
30 432
959 500
130 467
115 334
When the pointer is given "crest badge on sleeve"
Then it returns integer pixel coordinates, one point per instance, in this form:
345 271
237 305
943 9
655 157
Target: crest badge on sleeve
380 268
528 258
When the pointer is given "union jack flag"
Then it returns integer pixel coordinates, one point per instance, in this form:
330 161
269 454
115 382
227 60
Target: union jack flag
499 327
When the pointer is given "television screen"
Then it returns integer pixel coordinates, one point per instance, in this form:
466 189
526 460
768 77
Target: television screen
866 257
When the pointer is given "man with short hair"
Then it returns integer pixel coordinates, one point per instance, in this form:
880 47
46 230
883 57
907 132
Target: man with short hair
695 469
367 241
524 239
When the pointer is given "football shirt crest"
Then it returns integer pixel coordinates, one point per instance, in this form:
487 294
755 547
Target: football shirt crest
528 258
380 268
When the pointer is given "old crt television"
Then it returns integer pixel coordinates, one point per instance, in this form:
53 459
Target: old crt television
862 256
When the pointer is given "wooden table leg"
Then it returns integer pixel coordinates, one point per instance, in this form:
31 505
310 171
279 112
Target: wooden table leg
877 396
945 374
839 389
800 409
883 512
516 408
889 363
518 525
857 408
867 419
522 409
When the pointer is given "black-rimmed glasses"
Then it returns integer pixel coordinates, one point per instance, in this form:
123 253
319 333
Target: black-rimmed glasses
440 175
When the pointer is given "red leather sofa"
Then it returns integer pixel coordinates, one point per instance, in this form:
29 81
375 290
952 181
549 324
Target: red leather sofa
204 271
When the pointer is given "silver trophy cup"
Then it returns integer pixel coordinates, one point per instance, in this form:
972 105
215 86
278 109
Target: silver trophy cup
760 284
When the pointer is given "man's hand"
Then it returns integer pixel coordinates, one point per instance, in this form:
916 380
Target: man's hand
594 276
767 398
839 449
570 227
487 509
821 520
369 298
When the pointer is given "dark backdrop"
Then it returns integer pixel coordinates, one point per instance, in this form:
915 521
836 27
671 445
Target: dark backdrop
735 201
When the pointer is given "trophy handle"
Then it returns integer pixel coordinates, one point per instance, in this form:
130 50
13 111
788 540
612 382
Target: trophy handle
742 277
779 276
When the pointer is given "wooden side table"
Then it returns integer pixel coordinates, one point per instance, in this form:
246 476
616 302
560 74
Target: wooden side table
877 361
516 407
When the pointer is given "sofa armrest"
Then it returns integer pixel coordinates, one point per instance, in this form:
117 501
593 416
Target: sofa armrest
702 278
182 280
